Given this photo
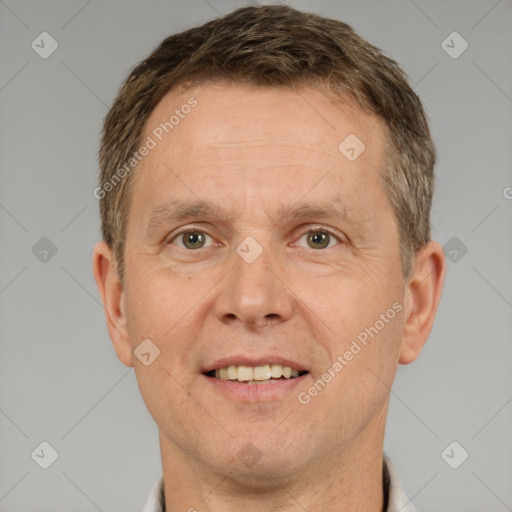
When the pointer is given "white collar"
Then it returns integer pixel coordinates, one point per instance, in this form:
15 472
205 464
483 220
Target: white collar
398 501
156 501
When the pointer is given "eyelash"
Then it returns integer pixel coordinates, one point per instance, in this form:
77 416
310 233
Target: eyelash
190 230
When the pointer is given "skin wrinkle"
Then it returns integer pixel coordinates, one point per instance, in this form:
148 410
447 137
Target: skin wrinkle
171 212
301 303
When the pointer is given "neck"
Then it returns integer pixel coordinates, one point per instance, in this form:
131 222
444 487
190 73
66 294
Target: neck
347 481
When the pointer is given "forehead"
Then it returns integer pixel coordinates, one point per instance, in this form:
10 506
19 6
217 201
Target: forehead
247 126
249 146
236 115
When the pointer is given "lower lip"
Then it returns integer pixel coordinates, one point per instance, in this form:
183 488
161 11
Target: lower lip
267 392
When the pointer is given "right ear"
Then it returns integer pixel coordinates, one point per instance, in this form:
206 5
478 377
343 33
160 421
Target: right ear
112 296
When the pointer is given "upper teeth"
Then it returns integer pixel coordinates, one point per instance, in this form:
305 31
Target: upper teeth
247 373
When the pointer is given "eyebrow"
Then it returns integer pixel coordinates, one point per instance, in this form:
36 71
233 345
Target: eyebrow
176 210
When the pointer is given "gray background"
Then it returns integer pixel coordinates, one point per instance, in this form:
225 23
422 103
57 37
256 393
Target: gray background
60 381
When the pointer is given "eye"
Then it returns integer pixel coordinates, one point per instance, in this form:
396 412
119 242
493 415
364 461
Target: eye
191 239
319 239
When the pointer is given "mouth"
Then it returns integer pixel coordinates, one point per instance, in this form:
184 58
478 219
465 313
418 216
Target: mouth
250 375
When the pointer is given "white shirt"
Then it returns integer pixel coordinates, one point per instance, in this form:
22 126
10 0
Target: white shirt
397 502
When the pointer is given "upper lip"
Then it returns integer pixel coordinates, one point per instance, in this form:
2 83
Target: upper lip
245 360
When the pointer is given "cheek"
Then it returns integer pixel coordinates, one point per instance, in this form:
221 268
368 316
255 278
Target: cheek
361 323
345 303
154 323
155 302
159 312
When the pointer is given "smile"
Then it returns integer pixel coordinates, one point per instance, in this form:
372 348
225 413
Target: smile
256 374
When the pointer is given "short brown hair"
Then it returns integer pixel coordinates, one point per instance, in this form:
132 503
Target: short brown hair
275 46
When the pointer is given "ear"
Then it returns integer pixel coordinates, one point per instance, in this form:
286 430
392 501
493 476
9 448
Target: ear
112 296
422 296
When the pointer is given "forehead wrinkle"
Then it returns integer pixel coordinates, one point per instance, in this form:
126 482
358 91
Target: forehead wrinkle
276 151
242 166
266 142
336 210
176 209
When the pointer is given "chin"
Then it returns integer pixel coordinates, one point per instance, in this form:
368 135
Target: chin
268 472
260 461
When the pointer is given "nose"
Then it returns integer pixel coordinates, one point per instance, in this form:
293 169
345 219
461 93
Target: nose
254 293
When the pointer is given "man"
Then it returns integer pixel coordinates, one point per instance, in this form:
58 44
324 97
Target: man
266 184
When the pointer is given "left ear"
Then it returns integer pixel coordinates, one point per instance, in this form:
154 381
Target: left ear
422 296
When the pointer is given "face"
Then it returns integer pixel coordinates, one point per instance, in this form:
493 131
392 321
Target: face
252 241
